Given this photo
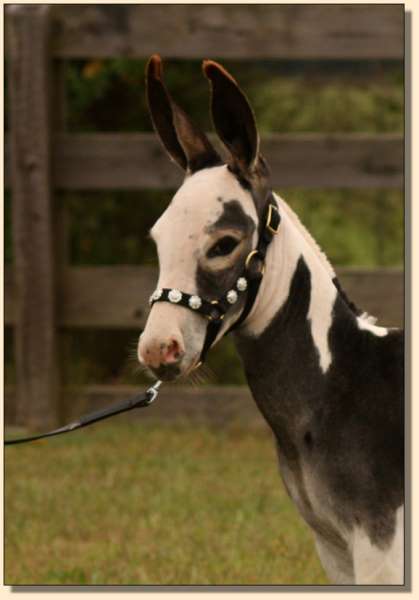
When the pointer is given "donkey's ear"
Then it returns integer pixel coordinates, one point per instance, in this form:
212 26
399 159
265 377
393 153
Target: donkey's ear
186 144
160 108
233 117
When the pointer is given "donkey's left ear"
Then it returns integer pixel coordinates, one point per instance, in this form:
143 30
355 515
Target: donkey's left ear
233 117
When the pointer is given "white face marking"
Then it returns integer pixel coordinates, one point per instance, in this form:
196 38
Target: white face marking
376 566
183 236
282 258
181 232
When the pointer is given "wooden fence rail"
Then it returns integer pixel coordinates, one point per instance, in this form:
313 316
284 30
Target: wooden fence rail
137 160
355 32
43 292
117 297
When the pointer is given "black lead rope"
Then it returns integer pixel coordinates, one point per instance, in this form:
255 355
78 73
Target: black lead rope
140 401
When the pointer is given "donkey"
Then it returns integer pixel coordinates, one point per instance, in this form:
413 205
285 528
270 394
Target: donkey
328 381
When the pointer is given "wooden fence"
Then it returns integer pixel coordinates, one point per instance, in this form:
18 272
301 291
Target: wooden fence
43 292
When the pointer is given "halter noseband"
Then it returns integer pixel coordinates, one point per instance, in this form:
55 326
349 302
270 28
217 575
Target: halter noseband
249 280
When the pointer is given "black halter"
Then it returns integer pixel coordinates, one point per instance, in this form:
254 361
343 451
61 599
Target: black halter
248 282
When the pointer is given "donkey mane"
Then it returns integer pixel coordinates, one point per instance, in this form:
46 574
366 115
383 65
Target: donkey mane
308 237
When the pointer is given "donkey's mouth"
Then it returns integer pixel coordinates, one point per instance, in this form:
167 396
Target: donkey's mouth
174 371
166 372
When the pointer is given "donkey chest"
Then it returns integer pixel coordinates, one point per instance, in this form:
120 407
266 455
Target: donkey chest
314 499
305 452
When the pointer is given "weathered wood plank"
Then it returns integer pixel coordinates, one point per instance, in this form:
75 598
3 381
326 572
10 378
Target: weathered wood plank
114 295
379 292
336 160
133 161
220 406
117 297
34 298
245 31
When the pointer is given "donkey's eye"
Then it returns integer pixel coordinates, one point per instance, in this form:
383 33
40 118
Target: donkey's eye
223 247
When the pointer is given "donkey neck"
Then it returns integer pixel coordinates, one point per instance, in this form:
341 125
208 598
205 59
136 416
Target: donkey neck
301 339
285 343
290 247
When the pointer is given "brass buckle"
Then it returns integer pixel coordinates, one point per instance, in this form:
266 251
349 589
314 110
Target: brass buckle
211 318
249 258
269 218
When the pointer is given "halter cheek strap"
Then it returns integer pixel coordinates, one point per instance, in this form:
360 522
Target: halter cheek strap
249 282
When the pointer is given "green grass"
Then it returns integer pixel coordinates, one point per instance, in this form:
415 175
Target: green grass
127 503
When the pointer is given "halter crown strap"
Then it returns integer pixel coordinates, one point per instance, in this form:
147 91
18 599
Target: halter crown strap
249 282
271 228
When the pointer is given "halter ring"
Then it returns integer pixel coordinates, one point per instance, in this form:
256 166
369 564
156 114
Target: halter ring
220 317
249 258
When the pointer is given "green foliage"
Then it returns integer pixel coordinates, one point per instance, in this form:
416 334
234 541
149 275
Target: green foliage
324 97
294 106
353 227
178 504
106 95
112 227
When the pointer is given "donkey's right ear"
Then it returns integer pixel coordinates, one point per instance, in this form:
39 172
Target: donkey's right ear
233 117
187 145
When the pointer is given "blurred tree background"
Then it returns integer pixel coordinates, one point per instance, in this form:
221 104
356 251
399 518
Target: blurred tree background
353 227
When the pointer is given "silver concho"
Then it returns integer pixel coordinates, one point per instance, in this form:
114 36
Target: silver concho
232 296
155 295
241 284
175 296
195 302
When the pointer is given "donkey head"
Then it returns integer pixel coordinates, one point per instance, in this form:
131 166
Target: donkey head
211 224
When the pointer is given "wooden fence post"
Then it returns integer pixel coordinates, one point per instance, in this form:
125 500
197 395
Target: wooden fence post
35 331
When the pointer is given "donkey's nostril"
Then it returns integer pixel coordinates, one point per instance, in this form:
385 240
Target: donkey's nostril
172 353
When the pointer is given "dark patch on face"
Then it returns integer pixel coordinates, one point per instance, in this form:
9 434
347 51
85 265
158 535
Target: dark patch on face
234 217
354 411
212 285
